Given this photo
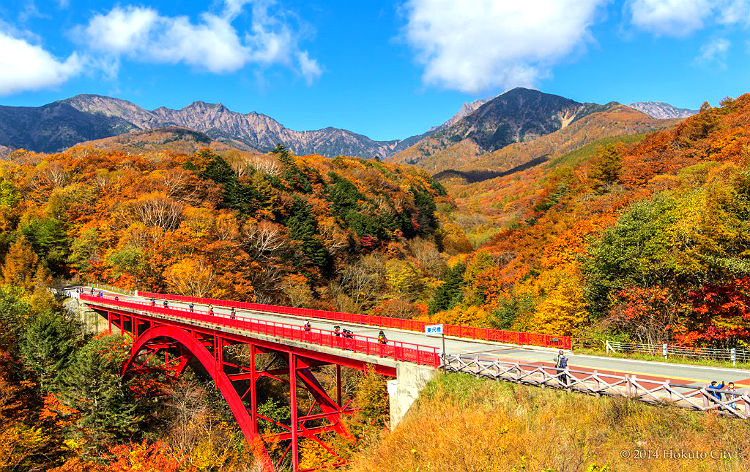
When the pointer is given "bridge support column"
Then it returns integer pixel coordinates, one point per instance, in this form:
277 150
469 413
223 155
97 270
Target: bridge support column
295 423
405 389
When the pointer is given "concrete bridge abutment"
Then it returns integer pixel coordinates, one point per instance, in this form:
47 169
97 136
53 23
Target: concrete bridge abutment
404 390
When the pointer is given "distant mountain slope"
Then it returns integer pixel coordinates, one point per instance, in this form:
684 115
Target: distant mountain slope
175 139
617 120
62 124
516 116
56 126
661 110
467 156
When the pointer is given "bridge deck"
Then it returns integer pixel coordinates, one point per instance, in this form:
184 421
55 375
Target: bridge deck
677 373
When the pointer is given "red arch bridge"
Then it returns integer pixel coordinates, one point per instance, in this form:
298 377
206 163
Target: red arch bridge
171 332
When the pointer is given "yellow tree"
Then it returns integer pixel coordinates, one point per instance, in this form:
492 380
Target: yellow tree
564 307
191 277
20 264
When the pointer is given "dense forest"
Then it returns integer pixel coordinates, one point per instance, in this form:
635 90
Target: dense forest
644 237
303 231
342 233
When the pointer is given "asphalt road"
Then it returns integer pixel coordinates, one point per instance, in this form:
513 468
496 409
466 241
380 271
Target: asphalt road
676 373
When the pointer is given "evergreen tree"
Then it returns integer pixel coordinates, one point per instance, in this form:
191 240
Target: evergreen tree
304 228
93 386
426 211
47 346
450 293
50 241
13 314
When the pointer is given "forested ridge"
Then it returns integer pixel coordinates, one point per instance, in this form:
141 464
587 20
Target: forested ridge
644 239
342 233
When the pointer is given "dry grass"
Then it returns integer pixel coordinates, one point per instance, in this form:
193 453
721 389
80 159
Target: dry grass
467 424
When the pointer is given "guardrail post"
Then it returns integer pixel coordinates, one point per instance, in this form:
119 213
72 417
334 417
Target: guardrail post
607 347
733 355
628 388
665 351
598 384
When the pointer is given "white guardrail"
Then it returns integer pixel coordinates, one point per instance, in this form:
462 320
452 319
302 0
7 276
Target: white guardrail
734 404
667 350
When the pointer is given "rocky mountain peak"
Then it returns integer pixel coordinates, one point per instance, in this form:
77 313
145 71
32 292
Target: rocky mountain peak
662 110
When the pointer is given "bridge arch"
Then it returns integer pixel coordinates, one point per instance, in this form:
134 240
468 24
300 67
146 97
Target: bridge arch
220 378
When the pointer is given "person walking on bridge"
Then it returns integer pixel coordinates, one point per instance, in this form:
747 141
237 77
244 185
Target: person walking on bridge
211 310
192 307
381 337
166 305
561 365
232 314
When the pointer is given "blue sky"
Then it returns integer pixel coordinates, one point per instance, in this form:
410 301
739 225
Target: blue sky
383 69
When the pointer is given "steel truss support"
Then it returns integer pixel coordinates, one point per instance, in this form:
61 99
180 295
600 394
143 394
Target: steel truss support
167 349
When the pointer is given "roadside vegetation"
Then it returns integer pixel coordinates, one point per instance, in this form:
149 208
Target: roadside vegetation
463 423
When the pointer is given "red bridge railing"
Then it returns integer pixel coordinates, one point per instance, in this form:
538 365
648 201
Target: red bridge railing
397 350
486 334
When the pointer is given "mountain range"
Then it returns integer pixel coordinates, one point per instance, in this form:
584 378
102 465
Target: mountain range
518 115
661 110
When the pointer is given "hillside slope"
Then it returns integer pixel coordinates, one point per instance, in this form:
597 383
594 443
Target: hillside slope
465 424
641 239
615 120
516 116
271 227
171 139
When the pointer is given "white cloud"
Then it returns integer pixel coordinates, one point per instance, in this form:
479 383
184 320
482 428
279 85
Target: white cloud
308 67
482 44
120 30
714 52
212 43
24 66
683 17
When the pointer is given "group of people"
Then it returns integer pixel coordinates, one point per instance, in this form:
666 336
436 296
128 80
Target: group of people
337 331
724 392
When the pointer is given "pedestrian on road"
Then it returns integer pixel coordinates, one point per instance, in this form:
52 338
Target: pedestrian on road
731 393
561 364
715 389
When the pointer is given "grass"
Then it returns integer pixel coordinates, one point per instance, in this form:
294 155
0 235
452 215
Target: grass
463 423
672 360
